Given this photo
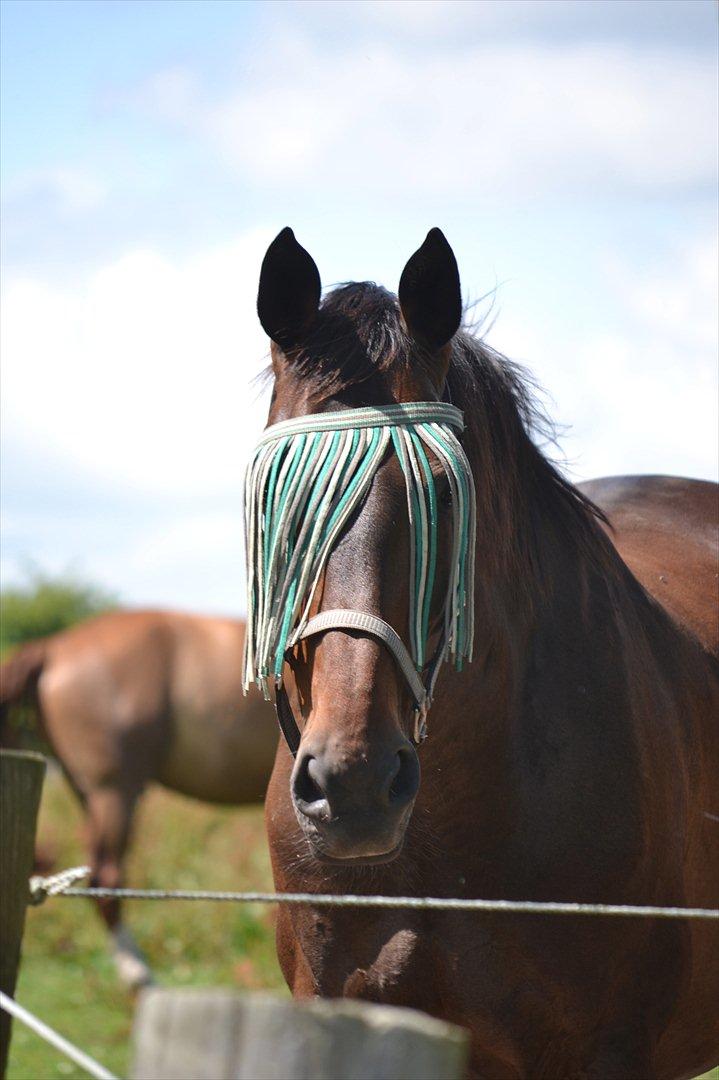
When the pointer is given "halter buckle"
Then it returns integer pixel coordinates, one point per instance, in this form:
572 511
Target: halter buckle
420 721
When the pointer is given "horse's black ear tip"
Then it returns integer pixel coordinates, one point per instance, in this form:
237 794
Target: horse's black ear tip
437 241
284 238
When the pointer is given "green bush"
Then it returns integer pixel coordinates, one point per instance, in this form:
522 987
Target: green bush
46 605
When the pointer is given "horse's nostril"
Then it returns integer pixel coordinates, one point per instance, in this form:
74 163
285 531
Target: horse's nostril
309 791
405 781
306 787
326 789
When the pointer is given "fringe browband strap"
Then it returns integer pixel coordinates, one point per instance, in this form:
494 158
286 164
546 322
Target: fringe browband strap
306 478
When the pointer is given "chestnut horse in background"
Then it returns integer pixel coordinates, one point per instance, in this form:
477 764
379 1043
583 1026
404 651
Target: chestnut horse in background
575 759
135 696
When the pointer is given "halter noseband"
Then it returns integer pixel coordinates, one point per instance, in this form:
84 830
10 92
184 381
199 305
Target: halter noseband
304 481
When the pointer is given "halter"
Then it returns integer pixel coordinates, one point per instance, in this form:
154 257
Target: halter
306 478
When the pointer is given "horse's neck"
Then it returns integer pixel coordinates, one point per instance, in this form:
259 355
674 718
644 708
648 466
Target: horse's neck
536 735
551 656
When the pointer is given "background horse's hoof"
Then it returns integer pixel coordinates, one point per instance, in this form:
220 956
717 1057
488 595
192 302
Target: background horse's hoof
132 971
131 966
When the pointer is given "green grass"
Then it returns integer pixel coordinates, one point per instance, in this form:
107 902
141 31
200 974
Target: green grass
67 976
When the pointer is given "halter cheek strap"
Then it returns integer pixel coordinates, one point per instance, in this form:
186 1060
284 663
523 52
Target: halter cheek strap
348 619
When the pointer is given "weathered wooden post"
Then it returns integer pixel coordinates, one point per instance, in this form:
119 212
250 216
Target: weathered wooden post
223 1035
21 777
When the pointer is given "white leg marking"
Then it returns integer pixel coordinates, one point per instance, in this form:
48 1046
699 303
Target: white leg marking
131 965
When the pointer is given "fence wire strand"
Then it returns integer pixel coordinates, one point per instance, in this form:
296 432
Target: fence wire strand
55 1039
63 885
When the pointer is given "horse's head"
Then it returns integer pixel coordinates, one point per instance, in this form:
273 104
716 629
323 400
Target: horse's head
329 531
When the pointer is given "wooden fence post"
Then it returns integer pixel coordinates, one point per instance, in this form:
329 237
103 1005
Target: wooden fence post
222 1035
21 777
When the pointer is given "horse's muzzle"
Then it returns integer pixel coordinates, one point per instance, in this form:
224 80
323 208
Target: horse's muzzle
355 810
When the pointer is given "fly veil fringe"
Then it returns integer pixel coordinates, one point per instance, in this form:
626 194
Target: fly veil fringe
306 478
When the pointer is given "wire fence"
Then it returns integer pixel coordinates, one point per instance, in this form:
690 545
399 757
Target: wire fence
63 884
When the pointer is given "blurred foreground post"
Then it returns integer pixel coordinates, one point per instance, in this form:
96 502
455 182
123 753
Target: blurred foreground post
222 1035
21 776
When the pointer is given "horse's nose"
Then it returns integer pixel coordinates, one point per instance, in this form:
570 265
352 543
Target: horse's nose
326 787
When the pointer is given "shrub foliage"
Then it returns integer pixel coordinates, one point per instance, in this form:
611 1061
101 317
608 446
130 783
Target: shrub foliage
45 604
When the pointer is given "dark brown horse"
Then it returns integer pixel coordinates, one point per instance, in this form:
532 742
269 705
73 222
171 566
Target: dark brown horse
135 696
575 759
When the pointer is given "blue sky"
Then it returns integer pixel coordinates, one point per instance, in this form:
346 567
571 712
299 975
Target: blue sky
152 149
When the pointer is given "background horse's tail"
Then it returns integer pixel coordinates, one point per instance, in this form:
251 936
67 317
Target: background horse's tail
19 675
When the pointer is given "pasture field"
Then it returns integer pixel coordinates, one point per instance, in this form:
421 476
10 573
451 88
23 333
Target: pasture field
67 976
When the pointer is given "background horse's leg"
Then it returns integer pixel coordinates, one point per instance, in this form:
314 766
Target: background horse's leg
110 811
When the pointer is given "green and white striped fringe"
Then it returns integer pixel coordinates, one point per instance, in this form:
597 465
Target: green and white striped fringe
306 478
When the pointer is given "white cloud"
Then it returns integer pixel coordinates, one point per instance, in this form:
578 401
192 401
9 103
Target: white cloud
68 191
192 560
680 308
141 379
195 561
142 375
645 399
512 118
173 92
431 23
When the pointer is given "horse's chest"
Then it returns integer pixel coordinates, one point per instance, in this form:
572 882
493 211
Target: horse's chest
370 957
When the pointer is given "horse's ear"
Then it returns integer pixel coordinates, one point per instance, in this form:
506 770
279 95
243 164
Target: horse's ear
289 292
429 292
